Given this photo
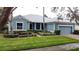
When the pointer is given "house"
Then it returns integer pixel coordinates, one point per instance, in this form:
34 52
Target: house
35 22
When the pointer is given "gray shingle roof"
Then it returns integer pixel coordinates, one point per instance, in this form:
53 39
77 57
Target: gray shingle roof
39 19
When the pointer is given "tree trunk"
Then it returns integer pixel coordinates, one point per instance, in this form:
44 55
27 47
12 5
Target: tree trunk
5 16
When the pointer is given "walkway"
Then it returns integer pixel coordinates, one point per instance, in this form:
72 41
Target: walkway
65 47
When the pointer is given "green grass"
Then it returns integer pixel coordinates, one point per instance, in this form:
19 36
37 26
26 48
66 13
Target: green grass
33 42
77 49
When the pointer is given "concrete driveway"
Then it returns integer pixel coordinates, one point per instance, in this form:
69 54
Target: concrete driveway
73 36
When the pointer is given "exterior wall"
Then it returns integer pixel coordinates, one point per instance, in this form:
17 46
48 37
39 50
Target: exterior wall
13 24
50 27
55 26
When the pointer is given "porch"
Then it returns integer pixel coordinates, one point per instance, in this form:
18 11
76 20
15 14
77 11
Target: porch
37 26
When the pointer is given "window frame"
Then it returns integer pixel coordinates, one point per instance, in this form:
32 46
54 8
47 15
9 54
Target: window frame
22 26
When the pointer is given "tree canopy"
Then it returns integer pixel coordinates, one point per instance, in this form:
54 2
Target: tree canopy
72 13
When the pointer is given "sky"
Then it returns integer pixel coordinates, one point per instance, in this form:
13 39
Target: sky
36 11
33 10
26 7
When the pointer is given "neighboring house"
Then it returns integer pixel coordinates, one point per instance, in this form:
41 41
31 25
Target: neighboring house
35 22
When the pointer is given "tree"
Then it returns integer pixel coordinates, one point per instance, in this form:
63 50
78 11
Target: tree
72 12
5 15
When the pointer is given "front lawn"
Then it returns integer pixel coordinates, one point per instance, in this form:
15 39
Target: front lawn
76 49
33 42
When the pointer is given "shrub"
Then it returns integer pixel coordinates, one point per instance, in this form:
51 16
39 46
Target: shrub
57 32
29 31
10 35
36 31
76 32
45 33
17 32
21 32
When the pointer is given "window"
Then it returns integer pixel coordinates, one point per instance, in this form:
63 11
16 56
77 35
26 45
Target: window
37 25
32 26
19 25
42 26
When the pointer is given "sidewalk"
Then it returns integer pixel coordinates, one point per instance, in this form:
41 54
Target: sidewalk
65 47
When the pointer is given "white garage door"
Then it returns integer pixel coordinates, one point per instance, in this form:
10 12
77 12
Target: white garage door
64 30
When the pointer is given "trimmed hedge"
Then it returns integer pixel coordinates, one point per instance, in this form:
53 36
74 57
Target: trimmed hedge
76 32
57 32
10 35
36 31
28 33
45 33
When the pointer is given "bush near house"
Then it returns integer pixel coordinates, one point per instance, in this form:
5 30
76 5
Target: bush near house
57 32
10 35
45 33
35 31
28 33
20 34
76 49
41 32
76 32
